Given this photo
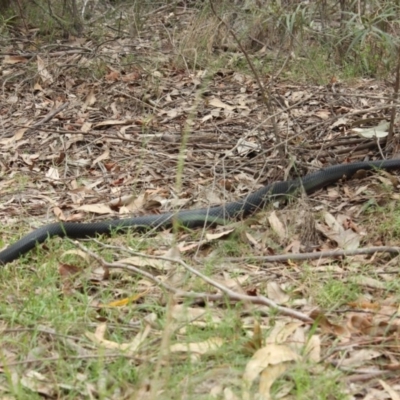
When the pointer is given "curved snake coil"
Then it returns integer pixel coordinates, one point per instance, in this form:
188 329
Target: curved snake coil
197 217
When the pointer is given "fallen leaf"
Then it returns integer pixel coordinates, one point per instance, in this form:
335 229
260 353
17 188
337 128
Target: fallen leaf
196 349
379 131
269 376
218 103
276 294
102 157
392 393
277 226
43 72
346 239
264 358
95 208
126 301
129 348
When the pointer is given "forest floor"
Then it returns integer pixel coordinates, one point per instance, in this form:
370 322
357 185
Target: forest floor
133 125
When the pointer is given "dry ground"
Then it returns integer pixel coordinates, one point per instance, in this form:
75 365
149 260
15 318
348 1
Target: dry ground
127 125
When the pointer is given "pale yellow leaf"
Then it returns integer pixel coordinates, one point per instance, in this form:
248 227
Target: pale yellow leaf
276 294
218 235
101 157
359 357
379 131
86 127
346 239
271 354
281 331
96 208
277 226
205 347
127 348
14 60
392 393
53 174
112 122
18 135
269 376
38 383
313 349
219 104
43 72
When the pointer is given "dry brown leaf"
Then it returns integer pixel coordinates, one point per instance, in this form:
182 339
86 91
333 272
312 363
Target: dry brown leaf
218 235
277 226
197 349
86 127
68 270
128 348
346 239
112 122
269 356
90 100
282 331
14 60
39 383
53 174
95 208
375 394
132 77
79 253
244 147
389 389
220 104
269 376
196 316
59 214
370 282
313 349
112 76
360 357
276 294
47 78
327 327
255 342
102 157
18 135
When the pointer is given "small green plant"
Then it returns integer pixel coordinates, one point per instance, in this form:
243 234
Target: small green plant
311 385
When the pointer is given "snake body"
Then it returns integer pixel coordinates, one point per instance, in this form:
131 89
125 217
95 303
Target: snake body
196 217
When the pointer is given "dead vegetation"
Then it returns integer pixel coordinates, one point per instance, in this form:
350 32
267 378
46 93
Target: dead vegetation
159 110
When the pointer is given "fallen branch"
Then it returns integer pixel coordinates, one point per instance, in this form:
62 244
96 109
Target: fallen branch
318 255
261 300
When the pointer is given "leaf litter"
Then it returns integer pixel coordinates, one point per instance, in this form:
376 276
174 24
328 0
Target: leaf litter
116 148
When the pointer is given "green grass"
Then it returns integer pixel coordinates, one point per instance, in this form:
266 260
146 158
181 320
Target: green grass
36 300
324 385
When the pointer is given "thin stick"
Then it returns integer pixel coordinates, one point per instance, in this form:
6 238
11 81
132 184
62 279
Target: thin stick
49 116
318 255
262 300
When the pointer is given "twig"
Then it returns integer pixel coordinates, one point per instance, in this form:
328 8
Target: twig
64 358
49 116
261 300
318 255
49 54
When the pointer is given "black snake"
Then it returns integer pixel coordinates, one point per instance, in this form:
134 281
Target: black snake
197 217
